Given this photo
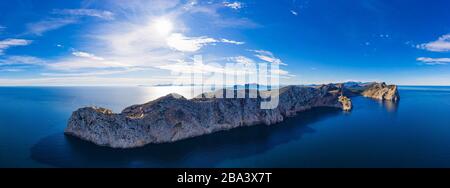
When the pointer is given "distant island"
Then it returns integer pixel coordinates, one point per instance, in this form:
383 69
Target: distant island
173 117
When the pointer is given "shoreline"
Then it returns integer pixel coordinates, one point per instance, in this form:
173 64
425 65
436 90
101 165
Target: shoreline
172 118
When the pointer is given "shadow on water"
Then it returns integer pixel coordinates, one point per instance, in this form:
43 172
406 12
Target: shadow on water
205 151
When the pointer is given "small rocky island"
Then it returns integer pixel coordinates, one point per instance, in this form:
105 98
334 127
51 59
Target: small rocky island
173 117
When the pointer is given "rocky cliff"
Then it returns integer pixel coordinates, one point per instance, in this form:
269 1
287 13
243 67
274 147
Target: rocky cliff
172 117
346 103
381 91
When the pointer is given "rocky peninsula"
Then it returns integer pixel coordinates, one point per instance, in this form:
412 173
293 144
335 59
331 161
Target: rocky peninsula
173 117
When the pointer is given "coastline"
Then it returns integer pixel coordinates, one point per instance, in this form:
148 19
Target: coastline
172 118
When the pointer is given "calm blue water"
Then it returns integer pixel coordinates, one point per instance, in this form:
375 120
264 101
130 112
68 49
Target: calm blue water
413 133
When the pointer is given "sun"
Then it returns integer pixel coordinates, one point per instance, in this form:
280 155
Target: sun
163 26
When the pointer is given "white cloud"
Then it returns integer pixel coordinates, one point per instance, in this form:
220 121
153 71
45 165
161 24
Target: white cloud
247 61
39 28
242 59
294 12
103 14
183 67
235 5
212 10
281 72
80 81
212 72
8 43
87 55
440 45
11 70
92 73
195 7
133 43
139 7
138 42
125 45
434 61
183 43
20 63
87 63
268 57
71 17
232 42
83 63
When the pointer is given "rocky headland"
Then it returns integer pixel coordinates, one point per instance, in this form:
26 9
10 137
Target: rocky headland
173 117
381 91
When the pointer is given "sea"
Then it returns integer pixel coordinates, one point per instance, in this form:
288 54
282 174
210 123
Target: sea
415 132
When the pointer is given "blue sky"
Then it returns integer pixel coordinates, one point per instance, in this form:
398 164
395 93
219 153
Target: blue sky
100 42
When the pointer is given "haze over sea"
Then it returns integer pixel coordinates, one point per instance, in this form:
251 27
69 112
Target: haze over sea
412 133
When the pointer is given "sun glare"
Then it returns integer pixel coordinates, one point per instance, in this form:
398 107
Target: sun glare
163 26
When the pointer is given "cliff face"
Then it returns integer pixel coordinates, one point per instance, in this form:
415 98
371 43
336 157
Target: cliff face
346 103
381 91
173 117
